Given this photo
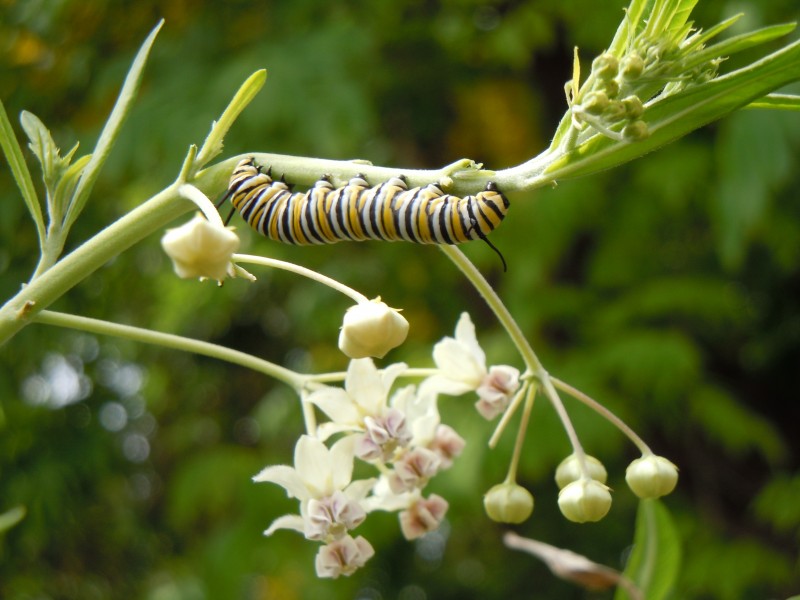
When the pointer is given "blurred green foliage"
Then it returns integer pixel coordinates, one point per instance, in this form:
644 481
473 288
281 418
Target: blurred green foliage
668 289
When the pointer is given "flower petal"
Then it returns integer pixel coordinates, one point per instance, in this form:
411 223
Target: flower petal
286 477
294 522
465 334
313 463
341 461
335 403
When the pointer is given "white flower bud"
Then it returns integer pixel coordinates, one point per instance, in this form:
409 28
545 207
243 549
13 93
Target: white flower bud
651 476
584 500
371 329
508 503
201 249
570 470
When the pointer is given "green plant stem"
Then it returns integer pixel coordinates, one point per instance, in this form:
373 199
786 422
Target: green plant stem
529 357
508 414
298 270
530 396
168 340
603 412
150 216
339 376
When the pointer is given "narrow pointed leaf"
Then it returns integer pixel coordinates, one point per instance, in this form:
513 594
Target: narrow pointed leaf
655 560
19 169
44 148
739 43
245 94
703 37
111 130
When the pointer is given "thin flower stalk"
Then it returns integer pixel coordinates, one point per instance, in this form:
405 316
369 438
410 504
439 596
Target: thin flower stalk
603 412
303 271
175 342
518 338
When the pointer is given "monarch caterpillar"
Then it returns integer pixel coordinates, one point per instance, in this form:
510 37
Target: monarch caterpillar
389 211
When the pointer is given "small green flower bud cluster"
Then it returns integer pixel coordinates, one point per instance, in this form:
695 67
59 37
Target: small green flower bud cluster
605 106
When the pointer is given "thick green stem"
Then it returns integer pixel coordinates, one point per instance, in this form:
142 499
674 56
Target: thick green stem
89 257
151 216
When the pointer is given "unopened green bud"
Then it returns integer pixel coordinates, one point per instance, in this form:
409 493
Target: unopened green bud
633 107
614 111
584 500
651 476
610 87
508 503
570 470
605 66
632 66
636 131
595 102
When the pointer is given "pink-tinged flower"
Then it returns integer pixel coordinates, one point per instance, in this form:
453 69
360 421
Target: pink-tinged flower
447 445
461 365
330 504
423 516
200 248
332 517
365 394
496 390
343 557
383 436
413 470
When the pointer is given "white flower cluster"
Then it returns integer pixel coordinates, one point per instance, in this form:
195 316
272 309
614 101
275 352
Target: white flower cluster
399 432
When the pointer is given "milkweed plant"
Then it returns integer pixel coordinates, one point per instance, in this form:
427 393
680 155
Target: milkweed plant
658 80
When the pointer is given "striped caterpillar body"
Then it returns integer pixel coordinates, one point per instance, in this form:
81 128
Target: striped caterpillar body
389 211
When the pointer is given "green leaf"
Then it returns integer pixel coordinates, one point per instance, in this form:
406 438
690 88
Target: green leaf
655 560
676 115
19 169
629 27
700 39
69 181
45 149
11 517
111 130
244 95
739 43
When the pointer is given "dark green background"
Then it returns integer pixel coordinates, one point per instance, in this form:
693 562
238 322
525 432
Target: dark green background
667 289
